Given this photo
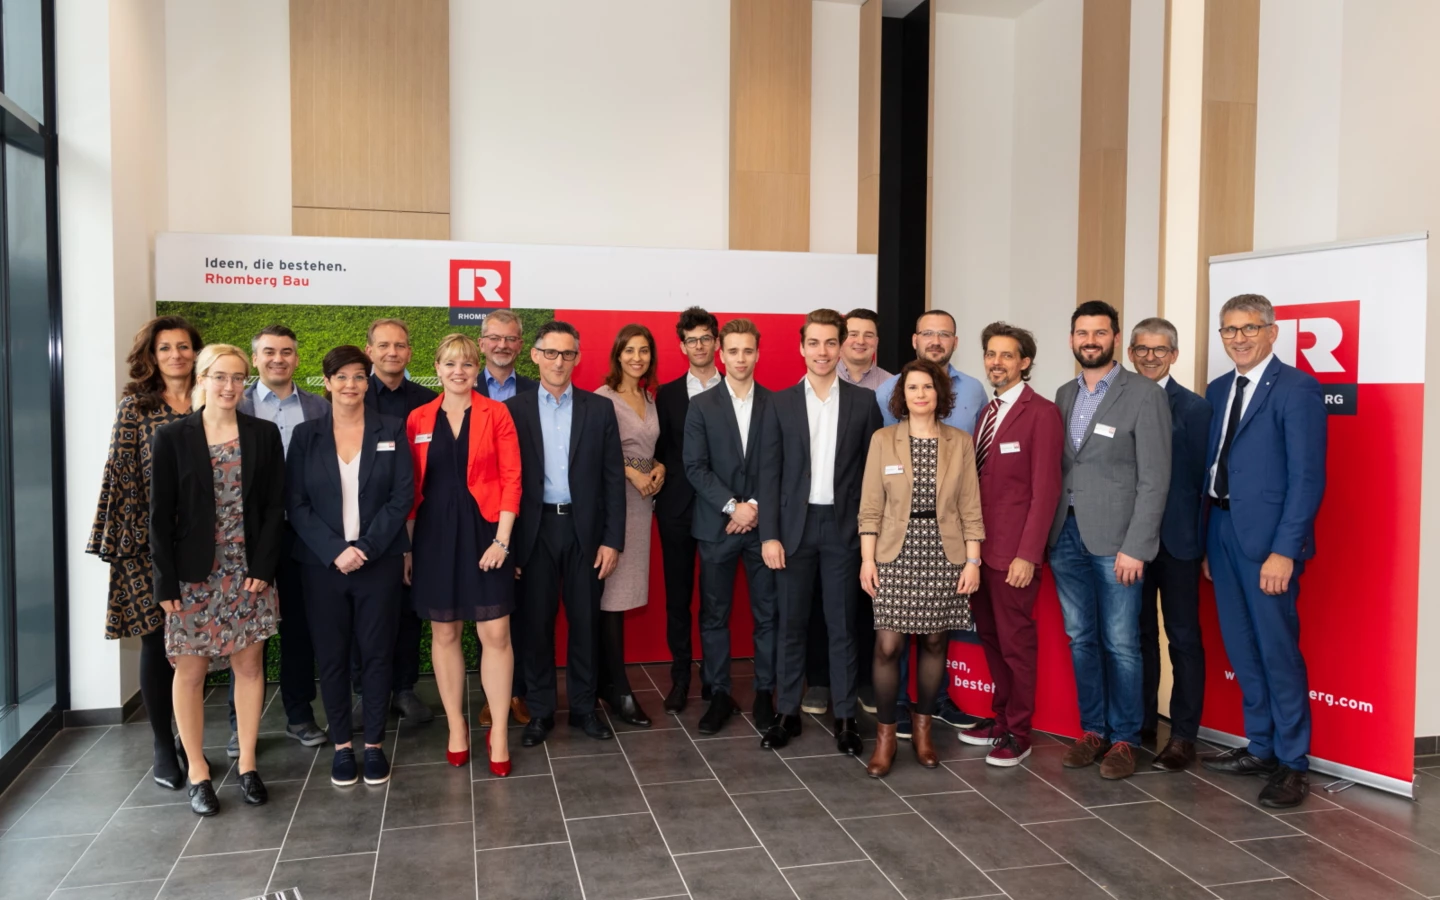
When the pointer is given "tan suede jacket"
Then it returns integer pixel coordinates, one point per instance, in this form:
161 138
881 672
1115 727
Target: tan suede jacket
885 494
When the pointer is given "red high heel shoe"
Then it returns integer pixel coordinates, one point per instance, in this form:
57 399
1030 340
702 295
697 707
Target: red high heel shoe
498 769
460 758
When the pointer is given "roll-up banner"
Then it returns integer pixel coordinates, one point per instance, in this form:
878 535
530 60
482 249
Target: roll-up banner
328 290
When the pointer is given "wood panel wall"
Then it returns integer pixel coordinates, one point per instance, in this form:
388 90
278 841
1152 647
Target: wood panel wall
867 238
1104 134
370 118
770 124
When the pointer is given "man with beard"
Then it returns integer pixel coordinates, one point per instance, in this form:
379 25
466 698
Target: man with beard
934 339
1116 468
500 339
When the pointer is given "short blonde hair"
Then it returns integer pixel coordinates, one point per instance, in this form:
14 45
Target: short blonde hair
206 361
461 345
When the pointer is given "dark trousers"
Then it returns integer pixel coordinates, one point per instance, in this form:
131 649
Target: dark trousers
361 609
817 646
297 652
558 568
823 553
407 647
1005 623
677 549
1262 640
1177 582
717 595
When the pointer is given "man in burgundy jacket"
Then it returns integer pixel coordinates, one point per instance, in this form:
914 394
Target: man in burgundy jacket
1019 439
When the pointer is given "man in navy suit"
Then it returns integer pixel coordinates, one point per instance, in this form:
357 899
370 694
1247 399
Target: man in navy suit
1265 482
1174 574
500 338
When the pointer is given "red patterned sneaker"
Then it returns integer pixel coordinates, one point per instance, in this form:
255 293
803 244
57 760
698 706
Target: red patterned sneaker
982 734
1009 751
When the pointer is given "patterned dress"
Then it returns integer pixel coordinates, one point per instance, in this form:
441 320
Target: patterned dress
217 617
120 534
917 590
628 587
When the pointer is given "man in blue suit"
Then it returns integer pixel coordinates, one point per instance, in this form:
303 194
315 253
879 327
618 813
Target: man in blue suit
1174 574
1266 479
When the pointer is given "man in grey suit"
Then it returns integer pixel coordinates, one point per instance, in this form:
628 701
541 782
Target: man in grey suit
1116 470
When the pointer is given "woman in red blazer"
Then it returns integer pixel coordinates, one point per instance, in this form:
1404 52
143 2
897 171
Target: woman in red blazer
467 494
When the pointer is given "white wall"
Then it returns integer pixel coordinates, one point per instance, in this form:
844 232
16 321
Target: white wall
228 115
974 121
590 123
834 125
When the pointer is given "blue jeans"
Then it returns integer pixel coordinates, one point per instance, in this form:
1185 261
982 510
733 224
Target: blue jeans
1102 619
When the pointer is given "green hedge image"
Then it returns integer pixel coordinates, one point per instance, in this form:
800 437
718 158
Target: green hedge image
320 329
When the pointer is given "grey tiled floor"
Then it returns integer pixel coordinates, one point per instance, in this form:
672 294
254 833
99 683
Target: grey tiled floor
666 812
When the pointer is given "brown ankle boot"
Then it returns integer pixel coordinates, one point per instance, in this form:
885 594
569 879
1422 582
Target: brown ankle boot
884 755
920 740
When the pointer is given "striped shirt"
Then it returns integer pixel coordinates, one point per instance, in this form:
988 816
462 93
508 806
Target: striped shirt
1087 402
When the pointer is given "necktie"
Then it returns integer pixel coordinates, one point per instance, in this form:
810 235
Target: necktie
1222 468
987 432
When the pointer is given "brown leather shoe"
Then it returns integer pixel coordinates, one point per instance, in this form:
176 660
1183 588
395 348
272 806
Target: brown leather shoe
884 755
1119 762
920 740
1085 751
519 711
486 720
1176 757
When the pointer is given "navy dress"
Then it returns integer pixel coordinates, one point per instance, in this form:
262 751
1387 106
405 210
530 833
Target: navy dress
446 583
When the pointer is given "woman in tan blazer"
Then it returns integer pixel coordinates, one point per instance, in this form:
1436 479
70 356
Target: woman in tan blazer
920 534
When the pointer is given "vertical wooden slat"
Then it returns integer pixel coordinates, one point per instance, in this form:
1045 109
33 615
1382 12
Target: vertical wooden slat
867 238
770 124
1104 135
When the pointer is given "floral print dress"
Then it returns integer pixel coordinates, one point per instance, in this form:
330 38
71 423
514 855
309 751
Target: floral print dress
218 617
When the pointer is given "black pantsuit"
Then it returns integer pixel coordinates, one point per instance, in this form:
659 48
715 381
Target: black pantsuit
559 570
365 606
1177 581
678 548
717 594
822 552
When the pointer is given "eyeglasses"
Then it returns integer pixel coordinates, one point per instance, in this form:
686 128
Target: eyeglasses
220 379
512 339
567 355
341 378
932 335
1230 331
700 341
1157 352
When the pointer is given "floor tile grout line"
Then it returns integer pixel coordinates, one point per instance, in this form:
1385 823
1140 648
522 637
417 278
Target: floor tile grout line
638 812
71 870
175 865
905 812
771 791
681 781
385 806
1329 846
1055 821
327 856
838 862
1126 803
470 821
517 847
52 837
52 787
1252 881
508 777
474 819
720 850
968 790
293 813
1063 862
228 853
658 830
731 797
554 783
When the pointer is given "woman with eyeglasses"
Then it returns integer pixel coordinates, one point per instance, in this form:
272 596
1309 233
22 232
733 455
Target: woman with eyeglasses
162 376
467 477
217 514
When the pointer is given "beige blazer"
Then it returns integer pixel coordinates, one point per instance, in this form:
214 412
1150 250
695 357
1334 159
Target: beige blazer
885 498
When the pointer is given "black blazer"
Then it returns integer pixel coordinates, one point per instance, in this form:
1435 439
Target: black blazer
597 473
313 500
522 384
716 466
785 471
1181 532
677 497
182 502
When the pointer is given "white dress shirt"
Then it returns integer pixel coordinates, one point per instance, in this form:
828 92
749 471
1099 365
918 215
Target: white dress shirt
1007 400
1164 382
824 416
350 496
742 408
1254 375
694 385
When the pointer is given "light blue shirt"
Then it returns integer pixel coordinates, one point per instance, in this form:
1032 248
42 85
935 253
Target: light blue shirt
286 414
500 391
555 416
969 400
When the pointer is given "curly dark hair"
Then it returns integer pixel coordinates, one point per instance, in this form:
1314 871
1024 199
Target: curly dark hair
944 391
147 384
1021 336
614 378
696 317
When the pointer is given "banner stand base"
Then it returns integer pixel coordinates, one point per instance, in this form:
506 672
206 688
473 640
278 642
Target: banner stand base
1385 783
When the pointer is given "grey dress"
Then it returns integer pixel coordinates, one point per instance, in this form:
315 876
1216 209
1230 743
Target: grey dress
629 586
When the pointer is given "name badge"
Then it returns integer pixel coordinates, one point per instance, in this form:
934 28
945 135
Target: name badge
424 438
1010 447
1105 430
386 445
894 470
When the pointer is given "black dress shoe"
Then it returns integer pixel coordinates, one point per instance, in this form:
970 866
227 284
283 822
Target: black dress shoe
847 737
1239 761
720 711
591 725
534 733
203 801
1285 788
678 696
252 789
627 709
764 710
706 692
1176 757
780 732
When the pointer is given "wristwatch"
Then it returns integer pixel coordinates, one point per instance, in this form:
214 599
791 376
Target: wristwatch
729 507
970 560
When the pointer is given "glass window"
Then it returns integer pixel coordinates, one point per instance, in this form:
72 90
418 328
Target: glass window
24 68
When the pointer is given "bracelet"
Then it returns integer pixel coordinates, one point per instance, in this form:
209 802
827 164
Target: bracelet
502 545
972 561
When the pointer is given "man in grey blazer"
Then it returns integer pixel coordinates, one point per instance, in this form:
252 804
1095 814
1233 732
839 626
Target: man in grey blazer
1116 471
